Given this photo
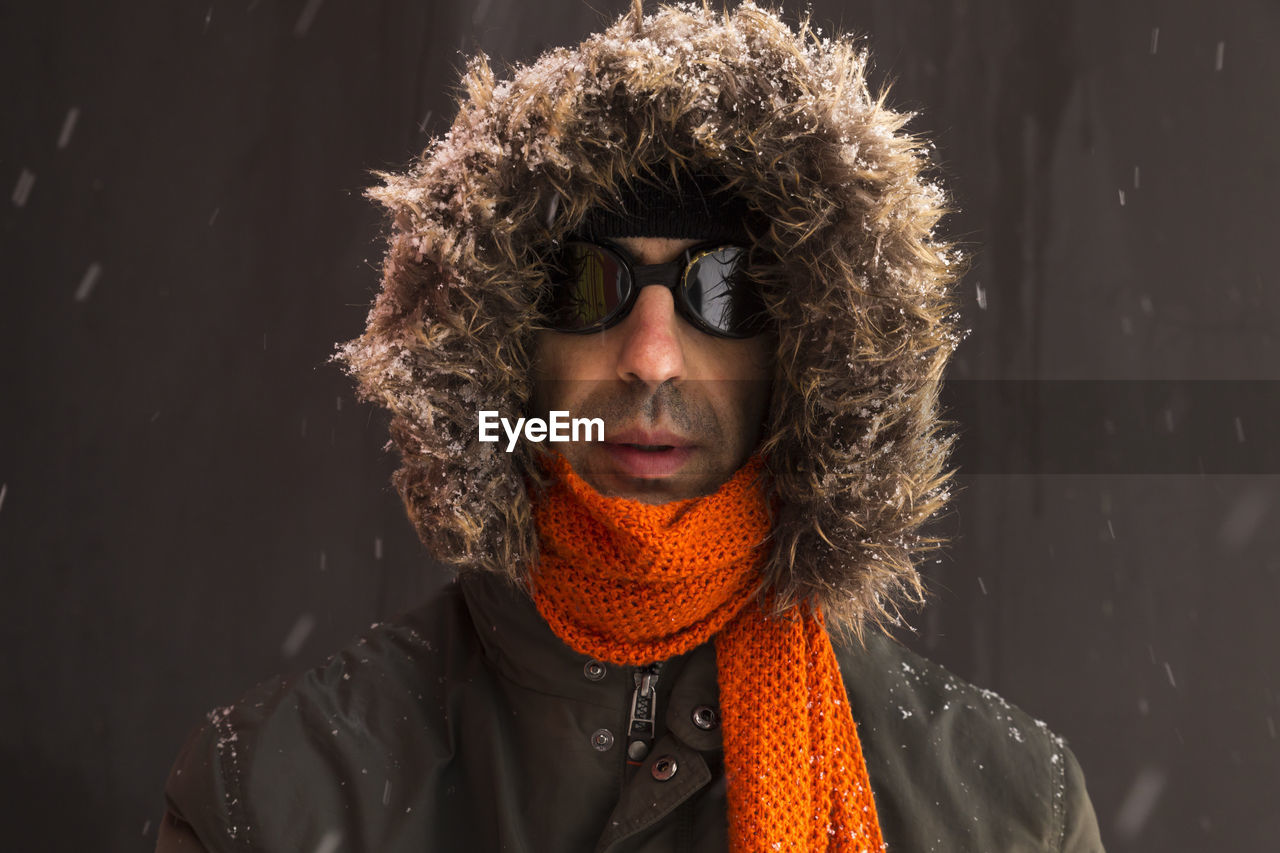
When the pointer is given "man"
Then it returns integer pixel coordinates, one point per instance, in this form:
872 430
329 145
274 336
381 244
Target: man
703 231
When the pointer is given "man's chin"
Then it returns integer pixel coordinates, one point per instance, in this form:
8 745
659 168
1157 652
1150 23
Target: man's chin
656 491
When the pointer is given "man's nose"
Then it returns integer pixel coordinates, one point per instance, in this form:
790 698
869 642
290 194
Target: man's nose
652 346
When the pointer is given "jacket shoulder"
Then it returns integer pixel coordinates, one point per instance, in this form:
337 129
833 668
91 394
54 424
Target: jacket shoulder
299 763
957 767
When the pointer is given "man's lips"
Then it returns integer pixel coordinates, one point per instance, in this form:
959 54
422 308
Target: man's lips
648 438
648 454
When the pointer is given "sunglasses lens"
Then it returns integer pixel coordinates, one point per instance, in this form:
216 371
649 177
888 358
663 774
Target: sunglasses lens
718 291
590 286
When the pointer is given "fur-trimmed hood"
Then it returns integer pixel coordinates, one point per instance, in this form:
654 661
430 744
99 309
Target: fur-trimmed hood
860 291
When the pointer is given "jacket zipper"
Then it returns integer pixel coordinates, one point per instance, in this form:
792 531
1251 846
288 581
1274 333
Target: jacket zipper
644 710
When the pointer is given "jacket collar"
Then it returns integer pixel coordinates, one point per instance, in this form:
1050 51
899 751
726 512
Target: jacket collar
520 645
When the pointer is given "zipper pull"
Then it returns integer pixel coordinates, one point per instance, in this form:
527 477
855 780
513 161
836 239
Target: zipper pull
644 709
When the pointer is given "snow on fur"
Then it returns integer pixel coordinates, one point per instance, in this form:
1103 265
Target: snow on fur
858 285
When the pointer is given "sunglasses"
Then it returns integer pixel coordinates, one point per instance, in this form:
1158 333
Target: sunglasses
595 286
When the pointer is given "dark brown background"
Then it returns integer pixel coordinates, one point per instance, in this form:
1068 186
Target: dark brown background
187 485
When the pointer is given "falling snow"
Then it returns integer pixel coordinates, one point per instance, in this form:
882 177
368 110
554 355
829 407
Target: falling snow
298 635
1140 802
329 843
1245 518
307 16
22 191
87 283
68 127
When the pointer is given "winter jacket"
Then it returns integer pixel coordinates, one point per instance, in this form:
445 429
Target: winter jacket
466 725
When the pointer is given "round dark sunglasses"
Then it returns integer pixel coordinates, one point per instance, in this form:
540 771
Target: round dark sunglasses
595 286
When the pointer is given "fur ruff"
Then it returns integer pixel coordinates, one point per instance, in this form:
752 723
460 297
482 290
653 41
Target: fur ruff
859 286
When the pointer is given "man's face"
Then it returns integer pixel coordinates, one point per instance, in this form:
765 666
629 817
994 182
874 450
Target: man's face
682 409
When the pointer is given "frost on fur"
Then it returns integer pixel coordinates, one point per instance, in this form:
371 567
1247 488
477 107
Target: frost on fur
860 288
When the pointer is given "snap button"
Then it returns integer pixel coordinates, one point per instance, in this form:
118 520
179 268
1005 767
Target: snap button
705 717
602 739
594 670
664 768
637 750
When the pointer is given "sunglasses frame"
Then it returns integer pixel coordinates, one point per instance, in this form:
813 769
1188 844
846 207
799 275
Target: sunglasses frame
674 275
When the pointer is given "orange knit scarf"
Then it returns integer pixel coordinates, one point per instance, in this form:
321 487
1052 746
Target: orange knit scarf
631 584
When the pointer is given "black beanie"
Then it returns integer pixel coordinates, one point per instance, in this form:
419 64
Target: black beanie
683 206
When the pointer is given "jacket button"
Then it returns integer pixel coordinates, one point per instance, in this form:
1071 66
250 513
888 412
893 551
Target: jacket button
664 768
602 739
705 717
594 670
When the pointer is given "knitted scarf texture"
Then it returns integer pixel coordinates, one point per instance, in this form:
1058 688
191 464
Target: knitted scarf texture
631 584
